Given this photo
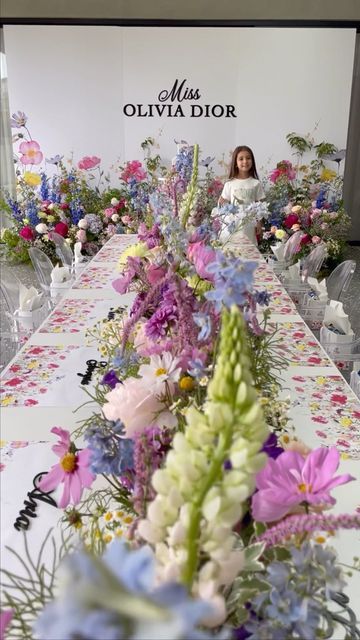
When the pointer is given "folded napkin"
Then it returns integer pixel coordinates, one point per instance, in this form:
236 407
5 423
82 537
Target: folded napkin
29 298
77 253
336 317
319 288
278 251
60 275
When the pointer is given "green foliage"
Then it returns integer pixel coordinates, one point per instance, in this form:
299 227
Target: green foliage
324 148
299 143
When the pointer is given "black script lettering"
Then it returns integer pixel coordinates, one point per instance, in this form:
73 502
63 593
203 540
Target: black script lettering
230 111
179 92
126 109
91 366
22 521
196 114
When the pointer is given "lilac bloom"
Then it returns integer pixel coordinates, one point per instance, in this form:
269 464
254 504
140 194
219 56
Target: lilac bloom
18 120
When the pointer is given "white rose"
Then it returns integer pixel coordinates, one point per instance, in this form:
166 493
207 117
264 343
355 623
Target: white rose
115 217
114 202
41 228
83 224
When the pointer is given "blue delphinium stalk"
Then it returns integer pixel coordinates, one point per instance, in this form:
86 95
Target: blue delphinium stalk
17 214
184 162
114 598
31 213
44 187
233 279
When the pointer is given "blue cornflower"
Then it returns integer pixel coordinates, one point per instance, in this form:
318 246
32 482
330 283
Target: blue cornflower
203 321
115 595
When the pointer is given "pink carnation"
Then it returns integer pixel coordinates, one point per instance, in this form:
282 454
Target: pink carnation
31 153
89 162
292 480
27 233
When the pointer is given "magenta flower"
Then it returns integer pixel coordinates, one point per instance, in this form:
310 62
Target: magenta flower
89 162
27 233
202 256
31 153
5 619
292 480
72 471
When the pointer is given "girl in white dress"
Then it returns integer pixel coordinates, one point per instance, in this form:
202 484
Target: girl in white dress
243 186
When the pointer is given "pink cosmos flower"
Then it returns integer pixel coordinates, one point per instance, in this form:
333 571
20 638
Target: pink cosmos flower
27 233
31 153
291 480
72 470
201 256
89 162
5 619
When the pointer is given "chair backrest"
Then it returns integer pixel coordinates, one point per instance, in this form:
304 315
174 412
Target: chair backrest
63 251
43 267
313 262
339 279
292 245
10 288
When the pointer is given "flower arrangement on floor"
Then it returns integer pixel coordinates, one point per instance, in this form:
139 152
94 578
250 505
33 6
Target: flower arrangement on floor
209 521
308 197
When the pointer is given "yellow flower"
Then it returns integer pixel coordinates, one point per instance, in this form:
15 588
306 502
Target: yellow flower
280 234
7 400
345 421
327 175
2 443
300 347
119 532
51 218
138 250
320 380
314 406
186 383
32 179
108 516
33 364
108 537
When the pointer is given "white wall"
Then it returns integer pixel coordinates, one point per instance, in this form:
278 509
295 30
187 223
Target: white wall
73 82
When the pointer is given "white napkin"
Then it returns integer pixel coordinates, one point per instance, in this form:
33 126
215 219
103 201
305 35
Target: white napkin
278 250
335 315
77 253
60 275
29 299
319 287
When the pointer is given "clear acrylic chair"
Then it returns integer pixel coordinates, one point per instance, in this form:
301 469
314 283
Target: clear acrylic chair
63 251
12 336
339 279
292 246
310 268
10 288
43 269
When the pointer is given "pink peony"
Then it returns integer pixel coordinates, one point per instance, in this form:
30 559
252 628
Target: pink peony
292 480
62 229
133 169
27 233
137 401
109 212
72 470
290 220
31 153
89 162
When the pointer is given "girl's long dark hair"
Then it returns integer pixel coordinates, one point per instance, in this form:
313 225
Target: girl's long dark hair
234 171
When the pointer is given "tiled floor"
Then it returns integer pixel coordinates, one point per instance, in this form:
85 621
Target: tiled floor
351 298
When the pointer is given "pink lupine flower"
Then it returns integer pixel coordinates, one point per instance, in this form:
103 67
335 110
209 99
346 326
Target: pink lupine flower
89 162
72 471
31 153
292 480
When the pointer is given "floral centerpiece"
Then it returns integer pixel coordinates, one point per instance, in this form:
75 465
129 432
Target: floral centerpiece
308 197
211 521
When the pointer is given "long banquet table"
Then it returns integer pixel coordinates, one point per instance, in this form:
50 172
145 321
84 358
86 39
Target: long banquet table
40 389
